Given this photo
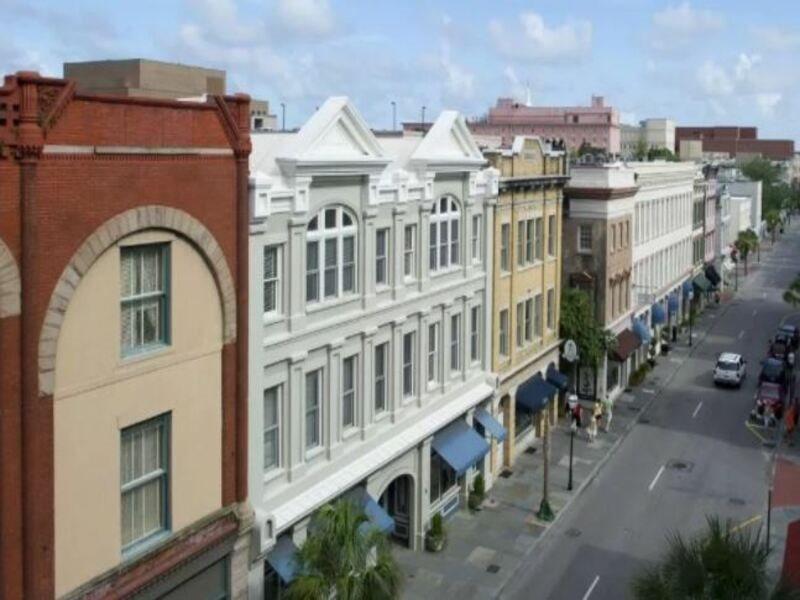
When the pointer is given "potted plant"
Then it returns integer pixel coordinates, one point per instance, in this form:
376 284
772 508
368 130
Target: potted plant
478 493
436 538
664 341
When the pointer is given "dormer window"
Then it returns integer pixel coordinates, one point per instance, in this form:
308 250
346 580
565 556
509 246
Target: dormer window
444 251
330 255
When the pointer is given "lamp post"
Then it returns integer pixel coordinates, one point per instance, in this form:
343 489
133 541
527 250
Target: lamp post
423 118
691 315
283 116
573 402
394 115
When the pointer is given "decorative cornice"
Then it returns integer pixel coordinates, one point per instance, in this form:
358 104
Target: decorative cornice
598 193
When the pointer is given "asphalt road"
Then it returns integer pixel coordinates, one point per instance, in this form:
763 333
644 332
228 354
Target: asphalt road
621 520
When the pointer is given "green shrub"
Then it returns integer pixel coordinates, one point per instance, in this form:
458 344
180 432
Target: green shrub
437 527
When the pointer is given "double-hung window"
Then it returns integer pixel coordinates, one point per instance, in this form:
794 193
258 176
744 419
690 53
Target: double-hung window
475 334
476 238
409 254
381 357
382 257
551 235
537 316
455 343
539 236
144 478
530 240
551 309
520 323
503 335
444 234
272 438
330 255
433 352
585 238
144 282
272 288
521 229
528 316
313 409
349 392
408 364
505 240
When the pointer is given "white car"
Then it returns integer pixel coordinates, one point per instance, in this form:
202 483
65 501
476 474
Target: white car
731 369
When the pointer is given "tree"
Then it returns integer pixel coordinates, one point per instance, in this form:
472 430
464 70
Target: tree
578 323
346 558
745 243
661 154
641 150
721 563
773 219
775 194
792 294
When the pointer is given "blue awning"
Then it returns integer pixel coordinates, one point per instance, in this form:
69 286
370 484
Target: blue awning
490 424
672 303
534 394
657 314
640 329
460 446
557 378
281 558
687 288
377 515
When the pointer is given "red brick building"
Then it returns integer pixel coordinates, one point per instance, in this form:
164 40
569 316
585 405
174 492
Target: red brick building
98 196
735 141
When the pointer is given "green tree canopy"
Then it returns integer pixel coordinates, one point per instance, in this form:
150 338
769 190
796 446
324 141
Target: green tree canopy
578 323
775 194
661 154
345 558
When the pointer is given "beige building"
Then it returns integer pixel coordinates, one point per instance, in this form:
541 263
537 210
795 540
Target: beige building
526 283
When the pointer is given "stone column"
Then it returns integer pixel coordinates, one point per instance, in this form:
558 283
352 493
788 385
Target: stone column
421 514
396 261
424 237
293 441
469 209
447 313
395 386
295 273
422 367
365 395
332 409
367 269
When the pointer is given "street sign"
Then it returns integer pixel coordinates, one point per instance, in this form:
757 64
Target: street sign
570 351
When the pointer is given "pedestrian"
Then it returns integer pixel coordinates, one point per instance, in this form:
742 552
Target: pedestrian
597 414
576 415
608 406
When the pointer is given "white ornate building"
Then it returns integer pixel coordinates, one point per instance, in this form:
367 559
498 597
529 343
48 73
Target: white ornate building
369 345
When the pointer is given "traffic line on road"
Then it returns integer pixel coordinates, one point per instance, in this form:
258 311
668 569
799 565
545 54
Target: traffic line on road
697 410
591 587
648 391
655 479
752 429
747 523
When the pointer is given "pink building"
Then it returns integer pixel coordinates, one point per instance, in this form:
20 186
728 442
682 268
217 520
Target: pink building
710 221
597 125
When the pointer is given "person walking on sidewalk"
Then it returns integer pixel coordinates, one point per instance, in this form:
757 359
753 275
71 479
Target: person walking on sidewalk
597 414
608 407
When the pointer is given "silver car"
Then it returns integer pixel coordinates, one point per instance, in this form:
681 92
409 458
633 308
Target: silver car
731 369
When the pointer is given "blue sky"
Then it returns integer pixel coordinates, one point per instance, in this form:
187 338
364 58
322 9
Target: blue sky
699 62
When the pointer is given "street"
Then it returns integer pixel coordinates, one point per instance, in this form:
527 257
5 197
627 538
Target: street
690 456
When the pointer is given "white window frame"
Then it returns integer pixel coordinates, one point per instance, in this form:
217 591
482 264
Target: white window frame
551 309
538 317
410 252
380 370
475 334
316 409
503 332
529 320
476 238
382 257
320 236
136 304
551 236
270 429
433 353
581 247
272 280
408 363
522 228
505 246
349 395
520 324
445 225
455 343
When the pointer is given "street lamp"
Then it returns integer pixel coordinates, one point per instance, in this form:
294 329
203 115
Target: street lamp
283 116
423 118
572 400
691 315
394 115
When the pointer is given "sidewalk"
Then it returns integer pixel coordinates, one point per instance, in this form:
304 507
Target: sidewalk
486 548
785 519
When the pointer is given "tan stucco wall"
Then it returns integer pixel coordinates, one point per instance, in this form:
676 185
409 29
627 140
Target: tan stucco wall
97 393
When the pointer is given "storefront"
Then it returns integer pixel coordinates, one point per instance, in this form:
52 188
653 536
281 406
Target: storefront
620 362
533 398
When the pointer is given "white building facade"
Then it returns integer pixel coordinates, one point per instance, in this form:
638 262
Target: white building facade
370 341
663 232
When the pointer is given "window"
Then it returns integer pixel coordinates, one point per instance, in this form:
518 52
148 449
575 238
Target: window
551 235
505 235
475 334
381 354
144 477
521 228
330 246
272 428
271 279
409 247
408 364
455 343
144 297
476 238
433 352
537 315
551 309
503 341
613 238
313 407
539 237
520 323
443 477
381 256
530 240
349 392
528 320
444 230
585 238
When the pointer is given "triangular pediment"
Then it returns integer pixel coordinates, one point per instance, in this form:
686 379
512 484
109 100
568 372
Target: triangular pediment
340 140
448 140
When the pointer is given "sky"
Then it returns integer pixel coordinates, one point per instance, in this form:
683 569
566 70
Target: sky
700 62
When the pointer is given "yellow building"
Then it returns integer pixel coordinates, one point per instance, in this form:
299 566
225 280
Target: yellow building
527 282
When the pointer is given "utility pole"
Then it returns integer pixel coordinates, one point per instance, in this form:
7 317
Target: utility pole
545 512
394 115
283 116
423 118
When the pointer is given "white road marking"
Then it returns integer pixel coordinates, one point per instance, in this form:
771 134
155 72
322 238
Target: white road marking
697 410
741 335
591 587
655 479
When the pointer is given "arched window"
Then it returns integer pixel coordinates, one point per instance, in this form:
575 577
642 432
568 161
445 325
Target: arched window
444 238
330 255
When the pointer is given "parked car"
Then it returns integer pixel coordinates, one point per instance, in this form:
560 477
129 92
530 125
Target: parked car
769 404
731 369
780 347
793 333
773 370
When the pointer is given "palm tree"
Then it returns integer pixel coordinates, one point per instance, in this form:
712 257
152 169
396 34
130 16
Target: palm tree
746 242
346 558
773 220
721 563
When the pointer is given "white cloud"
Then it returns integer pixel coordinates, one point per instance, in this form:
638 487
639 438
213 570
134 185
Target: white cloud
683 20
768 102
777 38
744 66
714 80
459 83
533 40
306 17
